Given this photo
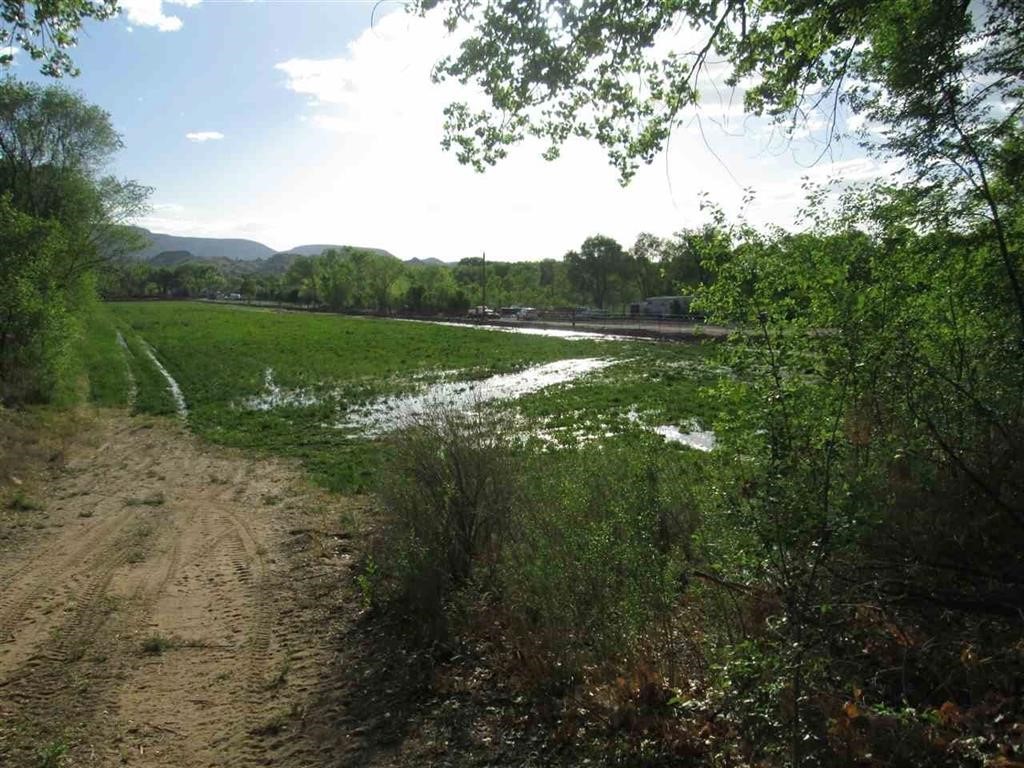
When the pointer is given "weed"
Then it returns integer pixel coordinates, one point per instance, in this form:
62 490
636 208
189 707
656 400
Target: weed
272 726
154 645
280 676
19 502
367 582
153 500
449 493
51 755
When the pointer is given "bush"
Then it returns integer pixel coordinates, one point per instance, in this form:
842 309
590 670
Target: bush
449 493
36 330
580 552
594 563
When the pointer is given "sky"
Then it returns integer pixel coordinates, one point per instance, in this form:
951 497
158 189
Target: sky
315 121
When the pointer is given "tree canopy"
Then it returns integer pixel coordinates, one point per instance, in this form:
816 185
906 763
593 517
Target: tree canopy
46 29
622 73
61 218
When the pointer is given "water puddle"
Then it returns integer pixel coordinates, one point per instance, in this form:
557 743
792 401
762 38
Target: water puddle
446 390
555 333
691 435
275 396
702 440
389 413
172 385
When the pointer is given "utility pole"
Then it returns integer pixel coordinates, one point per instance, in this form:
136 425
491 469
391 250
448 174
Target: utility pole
483 280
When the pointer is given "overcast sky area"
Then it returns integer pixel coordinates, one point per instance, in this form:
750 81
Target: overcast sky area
294 122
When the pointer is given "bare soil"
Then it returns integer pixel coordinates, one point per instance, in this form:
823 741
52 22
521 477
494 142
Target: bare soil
164 603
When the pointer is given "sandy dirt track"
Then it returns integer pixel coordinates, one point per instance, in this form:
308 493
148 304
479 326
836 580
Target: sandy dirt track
181 606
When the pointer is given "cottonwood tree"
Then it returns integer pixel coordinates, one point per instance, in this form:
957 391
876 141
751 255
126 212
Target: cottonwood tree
597 268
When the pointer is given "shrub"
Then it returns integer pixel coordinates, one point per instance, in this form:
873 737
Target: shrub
449 492
594 562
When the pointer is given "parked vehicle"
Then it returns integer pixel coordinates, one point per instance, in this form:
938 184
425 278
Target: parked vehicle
482 312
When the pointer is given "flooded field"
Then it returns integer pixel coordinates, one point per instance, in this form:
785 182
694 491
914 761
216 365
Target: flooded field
569 334
389 413
325 388
453 392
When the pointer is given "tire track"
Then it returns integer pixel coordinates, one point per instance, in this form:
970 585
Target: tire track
215 590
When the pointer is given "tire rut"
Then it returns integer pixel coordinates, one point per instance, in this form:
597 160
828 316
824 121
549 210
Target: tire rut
164 620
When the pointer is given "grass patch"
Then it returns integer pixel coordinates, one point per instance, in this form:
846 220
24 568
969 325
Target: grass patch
137 541
52 755
272 726
20 502
104 360
280 676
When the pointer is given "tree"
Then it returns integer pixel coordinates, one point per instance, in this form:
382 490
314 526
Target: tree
46 29
62 219
601 70
54 147
303 278
597 266
380 272
337 278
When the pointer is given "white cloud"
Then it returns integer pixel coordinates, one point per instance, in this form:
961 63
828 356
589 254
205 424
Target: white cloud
10 50
150 13
362 165
201 136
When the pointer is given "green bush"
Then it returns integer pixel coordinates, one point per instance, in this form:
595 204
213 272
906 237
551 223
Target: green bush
36 328
580 551
595 559
449 491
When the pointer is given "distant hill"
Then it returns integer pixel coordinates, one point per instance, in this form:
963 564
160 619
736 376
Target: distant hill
236 256
171 258
316 250
203 248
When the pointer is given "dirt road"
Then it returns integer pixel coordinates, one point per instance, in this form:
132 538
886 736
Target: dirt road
178 605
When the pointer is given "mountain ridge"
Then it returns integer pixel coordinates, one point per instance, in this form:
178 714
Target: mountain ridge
231 248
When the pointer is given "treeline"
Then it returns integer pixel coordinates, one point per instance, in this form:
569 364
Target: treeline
60 219
601 273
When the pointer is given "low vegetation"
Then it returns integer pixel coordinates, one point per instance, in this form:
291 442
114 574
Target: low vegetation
323 366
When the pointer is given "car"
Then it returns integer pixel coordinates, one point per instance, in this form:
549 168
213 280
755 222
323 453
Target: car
527 313
482 312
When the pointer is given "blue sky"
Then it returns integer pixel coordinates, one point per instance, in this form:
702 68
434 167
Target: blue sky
294 122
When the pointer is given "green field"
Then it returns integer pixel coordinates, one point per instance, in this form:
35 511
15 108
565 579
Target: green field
327 365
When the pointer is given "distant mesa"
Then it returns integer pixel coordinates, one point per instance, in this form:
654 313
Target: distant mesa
203 248
171 250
